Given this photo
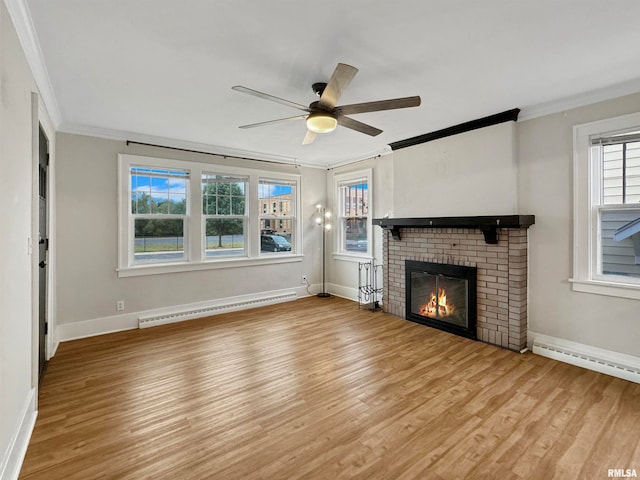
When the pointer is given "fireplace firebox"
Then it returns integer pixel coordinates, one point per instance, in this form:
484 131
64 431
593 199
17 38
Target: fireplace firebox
442 296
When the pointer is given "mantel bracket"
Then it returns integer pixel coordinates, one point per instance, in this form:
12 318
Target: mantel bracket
395 232
490 234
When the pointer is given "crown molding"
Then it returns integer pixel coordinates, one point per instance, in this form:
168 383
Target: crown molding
196 147
22 22
386 150
174 143
580 100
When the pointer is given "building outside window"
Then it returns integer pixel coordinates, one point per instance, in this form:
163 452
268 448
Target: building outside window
607 207
277 232
618 205
353 193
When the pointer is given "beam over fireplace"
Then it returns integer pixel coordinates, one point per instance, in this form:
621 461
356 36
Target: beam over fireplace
488 224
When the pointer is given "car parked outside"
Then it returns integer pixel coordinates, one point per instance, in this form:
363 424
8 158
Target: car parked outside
274 243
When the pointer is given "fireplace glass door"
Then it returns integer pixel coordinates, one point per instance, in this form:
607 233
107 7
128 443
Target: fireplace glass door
442 296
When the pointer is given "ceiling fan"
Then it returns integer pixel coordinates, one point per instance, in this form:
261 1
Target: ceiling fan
324 115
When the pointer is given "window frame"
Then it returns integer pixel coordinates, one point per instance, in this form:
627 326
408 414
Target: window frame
588 205
273 214
341 180
185 217
195 255
230 216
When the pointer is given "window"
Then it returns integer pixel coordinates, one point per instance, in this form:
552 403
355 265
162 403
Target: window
178 216
224 213
277 232
618 206
353 205
158 213
620 169
607 207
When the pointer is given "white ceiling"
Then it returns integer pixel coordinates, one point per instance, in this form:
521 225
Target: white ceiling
163 70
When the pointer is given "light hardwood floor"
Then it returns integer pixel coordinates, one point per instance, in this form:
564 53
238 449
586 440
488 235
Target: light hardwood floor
317 389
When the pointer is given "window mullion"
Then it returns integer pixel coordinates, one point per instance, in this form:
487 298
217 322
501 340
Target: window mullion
194 217
624 173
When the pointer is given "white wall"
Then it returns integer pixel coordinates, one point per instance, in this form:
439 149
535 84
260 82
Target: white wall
473 173
18 368
546 190
87 284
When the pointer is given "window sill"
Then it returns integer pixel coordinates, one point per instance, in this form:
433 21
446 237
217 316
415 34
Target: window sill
352 257
158 269
600 287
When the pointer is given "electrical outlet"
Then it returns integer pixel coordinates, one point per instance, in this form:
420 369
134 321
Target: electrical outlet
304 280
120 305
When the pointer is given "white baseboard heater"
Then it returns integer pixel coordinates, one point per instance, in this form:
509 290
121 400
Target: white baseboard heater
610 363
189 312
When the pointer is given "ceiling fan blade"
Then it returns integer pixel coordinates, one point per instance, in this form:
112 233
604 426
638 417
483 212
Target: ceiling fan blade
390 104
309 137
358 126
269 122
340 79
266 96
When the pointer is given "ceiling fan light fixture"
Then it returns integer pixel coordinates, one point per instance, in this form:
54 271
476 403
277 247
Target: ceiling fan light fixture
321 122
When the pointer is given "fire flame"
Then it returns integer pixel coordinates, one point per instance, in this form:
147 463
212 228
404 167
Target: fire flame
437 305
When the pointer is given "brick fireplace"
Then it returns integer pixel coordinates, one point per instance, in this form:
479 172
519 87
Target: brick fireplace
495 246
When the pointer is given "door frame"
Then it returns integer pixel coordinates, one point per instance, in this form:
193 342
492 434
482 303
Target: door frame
40 119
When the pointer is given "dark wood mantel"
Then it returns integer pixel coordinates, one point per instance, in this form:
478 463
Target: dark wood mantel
488 225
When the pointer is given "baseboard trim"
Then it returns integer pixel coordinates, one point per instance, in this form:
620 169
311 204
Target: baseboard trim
17 449
159 316
611 363
97 326
343 292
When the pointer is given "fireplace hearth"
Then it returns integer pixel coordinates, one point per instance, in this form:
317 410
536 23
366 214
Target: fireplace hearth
442 296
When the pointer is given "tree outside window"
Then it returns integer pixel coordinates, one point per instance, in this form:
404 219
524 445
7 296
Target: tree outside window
224 212
159 209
